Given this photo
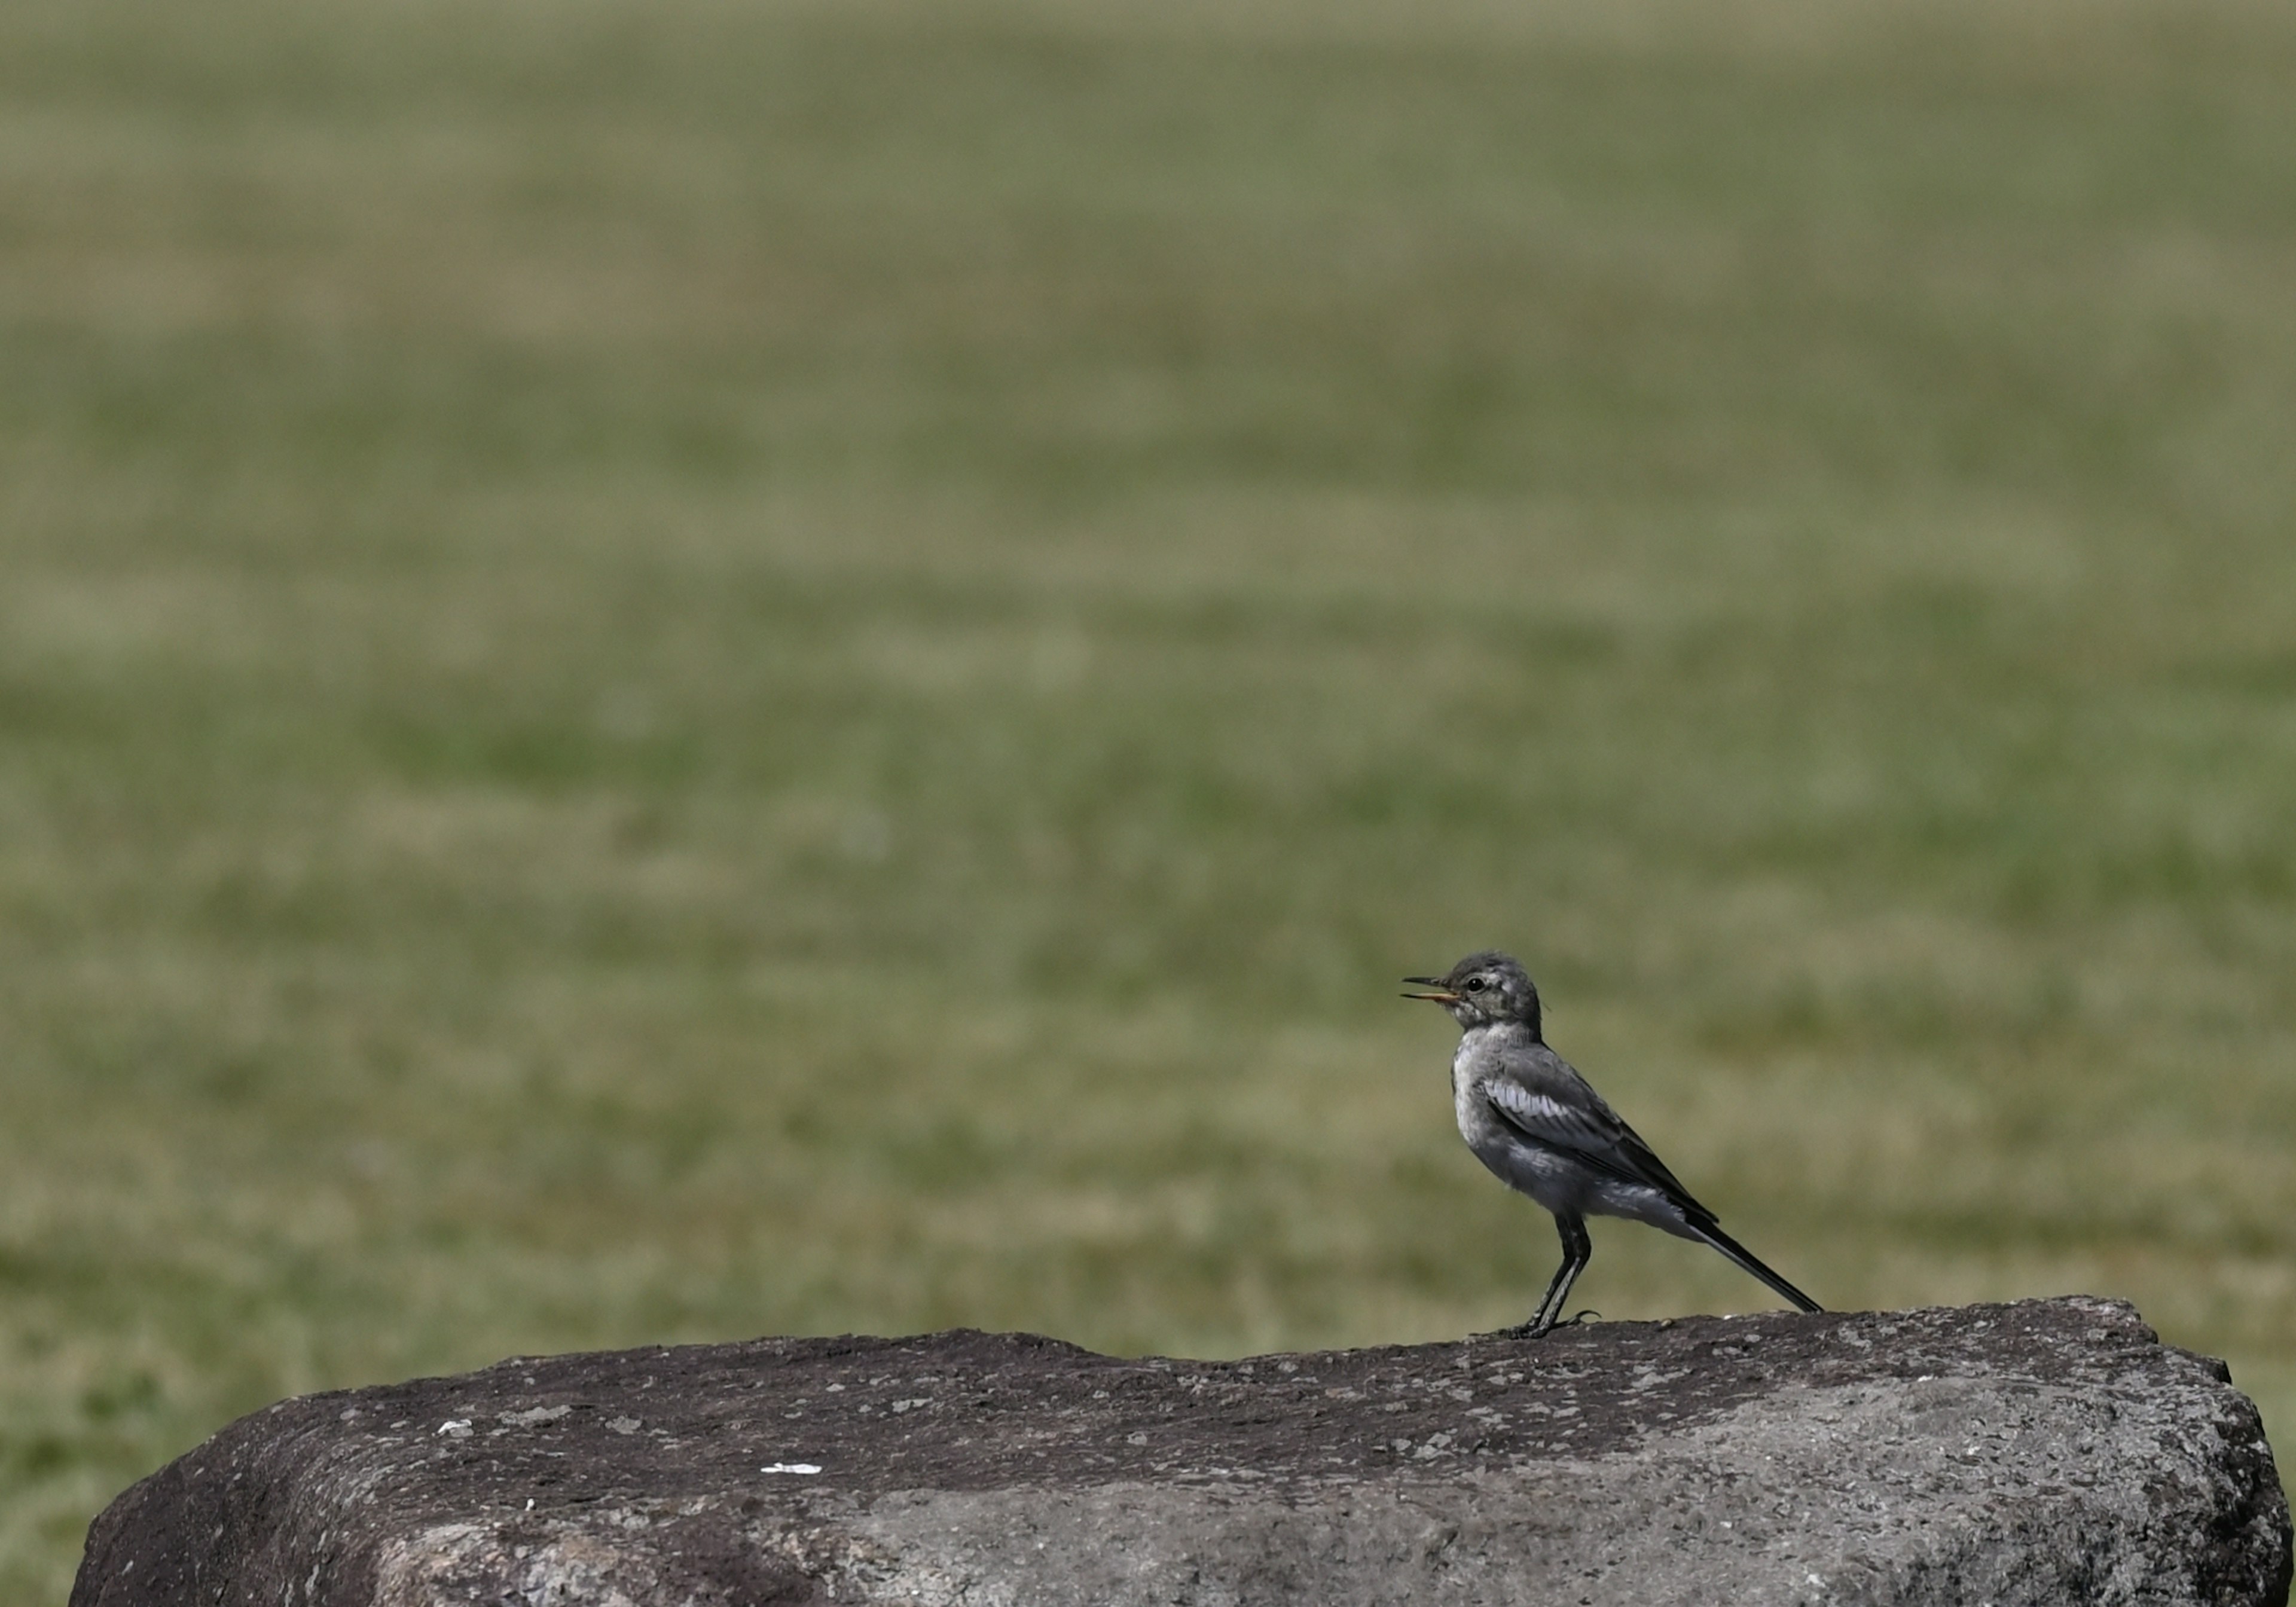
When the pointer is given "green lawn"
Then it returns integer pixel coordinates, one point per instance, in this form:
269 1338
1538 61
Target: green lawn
672 671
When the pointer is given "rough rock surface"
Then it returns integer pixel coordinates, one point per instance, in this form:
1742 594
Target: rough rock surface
2047 1452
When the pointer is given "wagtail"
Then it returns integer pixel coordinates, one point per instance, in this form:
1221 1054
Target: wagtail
1534 1121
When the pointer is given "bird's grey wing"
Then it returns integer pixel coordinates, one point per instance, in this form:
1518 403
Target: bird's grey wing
1538 1094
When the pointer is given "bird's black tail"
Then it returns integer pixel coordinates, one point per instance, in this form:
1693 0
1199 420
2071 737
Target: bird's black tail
1746 1259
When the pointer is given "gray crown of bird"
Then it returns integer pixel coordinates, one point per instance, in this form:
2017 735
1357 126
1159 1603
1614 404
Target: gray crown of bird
1543 1131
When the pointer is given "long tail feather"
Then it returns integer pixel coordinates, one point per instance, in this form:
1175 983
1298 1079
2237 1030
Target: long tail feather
1747 1261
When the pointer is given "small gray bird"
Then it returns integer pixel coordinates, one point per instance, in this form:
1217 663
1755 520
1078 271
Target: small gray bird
1534 1121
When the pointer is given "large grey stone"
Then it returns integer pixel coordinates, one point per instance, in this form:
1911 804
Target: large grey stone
2048 1452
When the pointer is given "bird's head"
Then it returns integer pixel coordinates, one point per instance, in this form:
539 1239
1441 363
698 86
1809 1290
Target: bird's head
1483 988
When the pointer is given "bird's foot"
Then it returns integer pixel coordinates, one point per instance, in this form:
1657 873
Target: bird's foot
1540 1326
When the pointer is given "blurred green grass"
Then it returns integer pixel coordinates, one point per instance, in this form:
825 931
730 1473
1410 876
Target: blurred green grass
681 671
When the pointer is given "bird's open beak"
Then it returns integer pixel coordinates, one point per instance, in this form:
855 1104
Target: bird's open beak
1443 996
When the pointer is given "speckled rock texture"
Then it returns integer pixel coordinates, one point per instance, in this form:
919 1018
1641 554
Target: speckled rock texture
2048 1452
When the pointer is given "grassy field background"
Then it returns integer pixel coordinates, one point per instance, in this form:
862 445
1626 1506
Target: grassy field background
671 671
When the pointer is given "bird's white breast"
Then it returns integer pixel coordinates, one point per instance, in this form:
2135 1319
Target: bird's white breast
1464 1100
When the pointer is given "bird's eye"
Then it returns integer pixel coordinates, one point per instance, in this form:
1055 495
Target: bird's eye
1475 984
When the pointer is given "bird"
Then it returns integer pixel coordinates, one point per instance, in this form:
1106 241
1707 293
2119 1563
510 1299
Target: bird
1543 1131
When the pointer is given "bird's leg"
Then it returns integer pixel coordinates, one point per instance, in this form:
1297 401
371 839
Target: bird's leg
1535 1326
1578 1249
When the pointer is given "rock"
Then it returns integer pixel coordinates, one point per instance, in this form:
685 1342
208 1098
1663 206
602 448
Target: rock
2048 1452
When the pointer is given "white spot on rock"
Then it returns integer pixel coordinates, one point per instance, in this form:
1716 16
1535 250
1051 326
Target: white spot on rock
535 1415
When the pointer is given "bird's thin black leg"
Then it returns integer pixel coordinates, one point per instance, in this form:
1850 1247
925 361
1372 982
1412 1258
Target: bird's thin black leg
1562 1275
1578 1249
1579 1246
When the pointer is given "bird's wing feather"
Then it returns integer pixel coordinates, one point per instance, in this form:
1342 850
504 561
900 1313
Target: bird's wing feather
1540 1097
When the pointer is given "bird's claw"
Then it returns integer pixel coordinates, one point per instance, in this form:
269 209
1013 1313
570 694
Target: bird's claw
1532 1328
